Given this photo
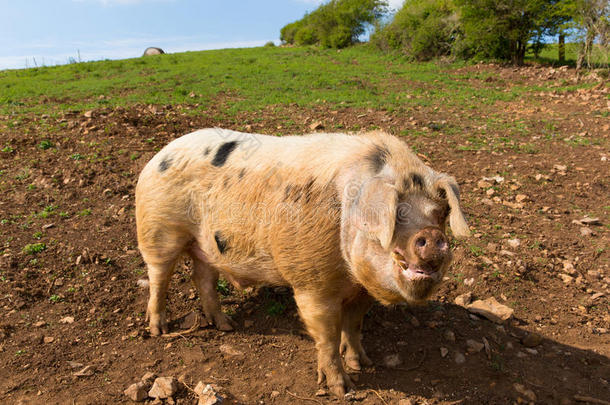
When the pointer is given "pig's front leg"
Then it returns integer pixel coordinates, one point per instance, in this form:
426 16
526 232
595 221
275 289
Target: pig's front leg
351 331
322 317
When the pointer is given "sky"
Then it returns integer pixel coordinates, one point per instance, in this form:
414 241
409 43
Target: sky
50 32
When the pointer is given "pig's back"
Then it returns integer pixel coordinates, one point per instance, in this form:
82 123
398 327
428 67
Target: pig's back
263 209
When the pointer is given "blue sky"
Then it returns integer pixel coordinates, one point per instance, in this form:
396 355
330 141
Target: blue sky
52 31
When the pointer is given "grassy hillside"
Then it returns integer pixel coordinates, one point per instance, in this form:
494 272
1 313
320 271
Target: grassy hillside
599 57
247 79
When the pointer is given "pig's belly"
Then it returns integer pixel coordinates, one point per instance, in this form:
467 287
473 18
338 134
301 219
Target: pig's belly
250 272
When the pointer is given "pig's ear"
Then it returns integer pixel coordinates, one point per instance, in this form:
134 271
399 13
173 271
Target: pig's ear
447 188
374 210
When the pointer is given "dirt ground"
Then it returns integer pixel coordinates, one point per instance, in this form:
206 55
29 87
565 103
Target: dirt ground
529 173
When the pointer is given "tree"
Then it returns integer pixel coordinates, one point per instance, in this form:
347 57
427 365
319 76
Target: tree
336 24
501 28
423 29
592 22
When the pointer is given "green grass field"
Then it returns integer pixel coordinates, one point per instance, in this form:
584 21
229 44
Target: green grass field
248 79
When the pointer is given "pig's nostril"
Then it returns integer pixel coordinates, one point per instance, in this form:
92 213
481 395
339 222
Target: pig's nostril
441 244
420 242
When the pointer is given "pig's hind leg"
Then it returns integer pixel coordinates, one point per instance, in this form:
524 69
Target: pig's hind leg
351 331
205 278
159 275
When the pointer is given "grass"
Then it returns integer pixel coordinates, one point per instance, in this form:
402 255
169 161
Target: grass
247 80
34 248
550 54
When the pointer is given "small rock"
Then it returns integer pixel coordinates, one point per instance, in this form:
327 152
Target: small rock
444 352
85 372
469 281
208 395
490 192
587 221
142 283
136 392
463 299
163 387
230 350
513 243
75 364
532 339
274 394
596 296
505 252
405 401
316 125
449 335
67 319
148 378
88 114
521 197
531 351
321 393
392 360
594 274
566 279
483 184
527 393
48 339
491 309
474 346
39 324
459 358
568 267
586 232
560 168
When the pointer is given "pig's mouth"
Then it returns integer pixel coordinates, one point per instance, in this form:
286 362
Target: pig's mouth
412 271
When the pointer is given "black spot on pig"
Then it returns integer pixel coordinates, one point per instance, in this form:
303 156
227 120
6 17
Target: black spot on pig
221 243
288 191
206 151
165 164
377 158
307 188
242 172
417 180
442 193
223 152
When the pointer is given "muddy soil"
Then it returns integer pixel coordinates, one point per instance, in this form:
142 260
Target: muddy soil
70 269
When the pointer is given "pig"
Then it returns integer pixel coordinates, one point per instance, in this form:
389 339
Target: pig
153 51
342 219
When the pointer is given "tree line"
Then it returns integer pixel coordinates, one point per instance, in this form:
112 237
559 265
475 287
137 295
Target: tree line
468 29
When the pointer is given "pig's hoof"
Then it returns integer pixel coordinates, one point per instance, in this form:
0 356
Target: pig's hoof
158 324
353 363
224 323
337 390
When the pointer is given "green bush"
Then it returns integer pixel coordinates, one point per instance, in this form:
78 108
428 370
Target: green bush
422 29
336 24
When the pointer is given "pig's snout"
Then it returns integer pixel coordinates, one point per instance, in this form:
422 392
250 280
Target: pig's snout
431 247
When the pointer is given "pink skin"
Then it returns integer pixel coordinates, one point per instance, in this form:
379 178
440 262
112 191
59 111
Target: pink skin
422 265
